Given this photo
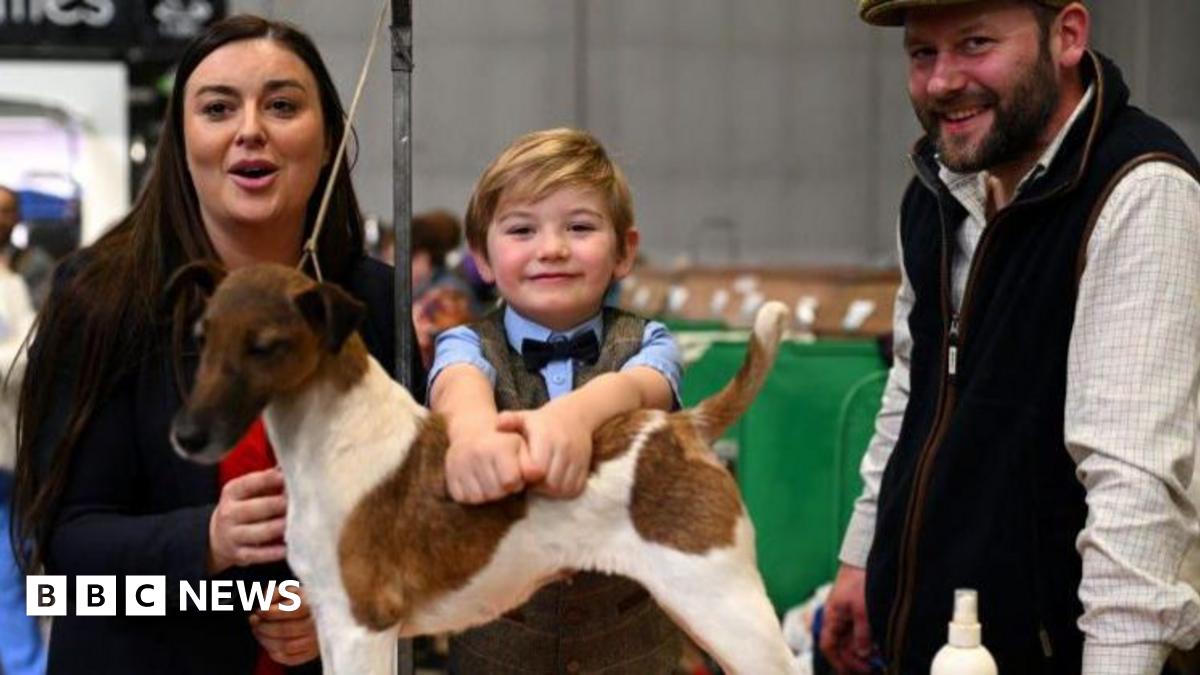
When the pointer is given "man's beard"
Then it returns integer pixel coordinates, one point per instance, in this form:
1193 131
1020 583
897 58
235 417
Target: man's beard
1016 125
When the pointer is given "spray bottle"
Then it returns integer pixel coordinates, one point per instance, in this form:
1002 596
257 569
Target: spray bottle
964 654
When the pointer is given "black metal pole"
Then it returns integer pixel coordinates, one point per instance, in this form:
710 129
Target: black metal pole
402 66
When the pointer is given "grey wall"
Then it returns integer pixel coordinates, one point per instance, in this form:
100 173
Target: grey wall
764 131
1154 41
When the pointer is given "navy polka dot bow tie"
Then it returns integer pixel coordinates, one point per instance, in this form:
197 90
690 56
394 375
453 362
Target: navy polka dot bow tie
583 347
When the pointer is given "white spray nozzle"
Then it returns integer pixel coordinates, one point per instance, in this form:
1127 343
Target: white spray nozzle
966 606
965 630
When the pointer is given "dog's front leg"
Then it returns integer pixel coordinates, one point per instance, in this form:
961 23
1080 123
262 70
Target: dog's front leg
350 649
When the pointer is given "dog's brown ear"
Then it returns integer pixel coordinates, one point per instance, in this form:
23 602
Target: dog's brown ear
202 275
331 312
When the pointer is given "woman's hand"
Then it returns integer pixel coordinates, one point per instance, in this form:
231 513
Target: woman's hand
289 638
248 524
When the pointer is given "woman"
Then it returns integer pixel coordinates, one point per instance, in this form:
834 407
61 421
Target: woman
247 146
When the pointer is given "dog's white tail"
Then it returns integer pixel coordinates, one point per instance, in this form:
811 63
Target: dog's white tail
716 413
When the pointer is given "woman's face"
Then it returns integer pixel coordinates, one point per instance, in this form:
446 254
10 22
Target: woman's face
255 140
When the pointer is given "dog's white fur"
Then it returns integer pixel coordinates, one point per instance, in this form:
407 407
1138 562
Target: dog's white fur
334 447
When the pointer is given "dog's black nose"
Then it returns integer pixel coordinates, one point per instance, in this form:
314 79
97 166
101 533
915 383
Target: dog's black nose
189 436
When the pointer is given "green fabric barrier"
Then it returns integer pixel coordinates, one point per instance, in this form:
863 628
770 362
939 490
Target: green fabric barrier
799 448
677 325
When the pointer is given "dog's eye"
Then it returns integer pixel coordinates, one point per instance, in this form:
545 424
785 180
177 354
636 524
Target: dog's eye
198 332
264 348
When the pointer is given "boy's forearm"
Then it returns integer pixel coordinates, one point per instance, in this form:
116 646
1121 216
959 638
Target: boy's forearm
611 394
464 397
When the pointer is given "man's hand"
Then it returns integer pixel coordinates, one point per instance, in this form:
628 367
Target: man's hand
559 450
845 634
289 638
248 524
485 467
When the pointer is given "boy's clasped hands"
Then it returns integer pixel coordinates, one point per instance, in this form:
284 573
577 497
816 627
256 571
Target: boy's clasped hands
546 450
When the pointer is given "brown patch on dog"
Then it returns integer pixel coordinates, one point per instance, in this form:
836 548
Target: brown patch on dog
346 367
615 436
404 544
682 498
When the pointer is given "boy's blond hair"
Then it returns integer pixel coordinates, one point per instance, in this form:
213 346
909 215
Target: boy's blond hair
541 162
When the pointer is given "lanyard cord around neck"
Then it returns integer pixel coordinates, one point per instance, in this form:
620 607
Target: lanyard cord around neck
310 246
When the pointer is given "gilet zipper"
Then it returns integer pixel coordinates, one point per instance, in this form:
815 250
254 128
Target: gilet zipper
953 340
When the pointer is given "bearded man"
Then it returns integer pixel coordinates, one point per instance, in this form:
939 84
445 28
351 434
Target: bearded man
1039 424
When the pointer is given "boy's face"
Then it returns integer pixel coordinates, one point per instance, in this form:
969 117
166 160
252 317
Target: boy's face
553 259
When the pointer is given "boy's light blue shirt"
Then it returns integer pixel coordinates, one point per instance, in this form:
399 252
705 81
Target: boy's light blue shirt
462 345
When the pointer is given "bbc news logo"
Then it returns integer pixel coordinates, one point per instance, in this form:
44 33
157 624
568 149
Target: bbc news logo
146 595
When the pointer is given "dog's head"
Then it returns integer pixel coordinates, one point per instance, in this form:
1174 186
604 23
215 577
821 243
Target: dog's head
266 332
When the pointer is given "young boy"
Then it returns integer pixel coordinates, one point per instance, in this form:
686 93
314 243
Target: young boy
551 224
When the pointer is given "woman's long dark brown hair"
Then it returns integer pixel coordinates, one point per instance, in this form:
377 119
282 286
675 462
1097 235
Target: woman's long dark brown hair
106 311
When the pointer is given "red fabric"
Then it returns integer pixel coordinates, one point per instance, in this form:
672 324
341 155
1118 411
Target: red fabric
266 666
252 453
